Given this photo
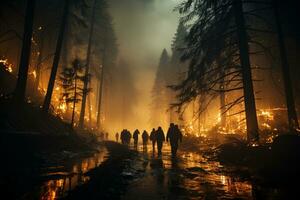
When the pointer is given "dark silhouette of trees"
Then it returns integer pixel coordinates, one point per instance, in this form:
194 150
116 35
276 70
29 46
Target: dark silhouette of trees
101 53
219 44
88 59
107 50
290 103
105 54
47 43
160 97
19 93
39 59
100 93
249 99
222 38
177 70
56 58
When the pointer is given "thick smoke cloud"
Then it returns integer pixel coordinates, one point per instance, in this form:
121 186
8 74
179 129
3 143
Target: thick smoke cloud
143 28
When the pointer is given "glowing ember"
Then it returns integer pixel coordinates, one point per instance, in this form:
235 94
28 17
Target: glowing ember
219 118
266 126
62 107
33 73
267 114
7 66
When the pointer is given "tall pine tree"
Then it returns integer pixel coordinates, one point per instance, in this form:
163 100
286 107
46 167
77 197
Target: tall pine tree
160 104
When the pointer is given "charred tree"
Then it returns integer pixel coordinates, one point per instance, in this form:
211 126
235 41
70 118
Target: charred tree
88 59
39 61
102 77
90 110
74 104
100 93
20 90
288 89
56 58
249 99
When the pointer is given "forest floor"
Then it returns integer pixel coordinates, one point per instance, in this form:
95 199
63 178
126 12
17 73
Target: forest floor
139 173
28 160
32 143
115 171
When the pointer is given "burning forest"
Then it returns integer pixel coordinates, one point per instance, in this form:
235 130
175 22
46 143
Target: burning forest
149 99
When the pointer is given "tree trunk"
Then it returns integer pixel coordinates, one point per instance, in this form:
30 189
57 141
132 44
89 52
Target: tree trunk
223 108
222 101
74 101
249 99
56 58
100 98
86 81
97 94
20 90
90 111
39 63
288 89
199 115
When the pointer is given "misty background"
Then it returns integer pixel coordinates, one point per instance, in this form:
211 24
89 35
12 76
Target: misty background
143 28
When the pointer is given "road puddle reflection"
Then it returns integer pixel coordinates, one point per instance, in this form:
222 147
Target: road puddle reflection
189 176
71 176
204 177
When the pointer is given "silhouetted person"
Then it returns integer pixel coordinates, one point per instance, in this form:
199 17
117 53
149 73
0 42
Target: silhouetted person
106 136
160 138
128 137
174 135
136 137
117 137
145 138
123 136
153 138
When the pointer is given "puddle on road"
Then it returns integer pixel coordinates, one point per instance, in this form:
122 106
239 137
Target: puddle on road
189 176
70 176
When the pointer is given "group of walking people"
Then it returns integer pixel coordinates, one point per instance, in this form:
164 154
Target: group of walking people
157 137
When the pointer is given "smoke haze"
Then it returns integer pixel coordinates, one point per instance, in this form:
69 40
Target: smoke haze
143 29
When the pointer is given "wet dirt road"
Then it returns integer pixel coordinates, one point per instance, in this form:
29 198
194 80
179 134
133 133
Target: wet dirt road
189 176
141 174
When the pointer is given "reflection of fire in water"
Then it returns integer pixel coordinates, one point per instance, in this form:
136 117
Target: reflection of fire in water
207 175
57 188
196 176
235 187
